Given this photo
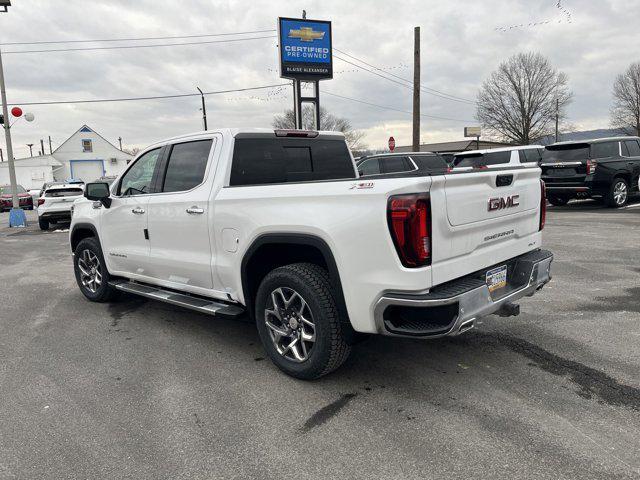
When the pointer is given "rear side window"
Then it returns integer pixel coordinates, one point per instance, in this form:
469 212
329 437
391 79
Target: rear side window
604 150
395 164
430 162
370 167
63 192
530 155
186 166
482 159
633 148
259 161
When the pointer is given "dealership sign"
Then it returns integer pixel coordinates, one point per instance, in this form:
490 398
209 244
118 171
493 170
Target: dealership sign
305 49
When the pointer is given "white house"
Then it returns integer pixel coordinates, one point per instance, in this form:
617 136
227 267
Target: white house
85 155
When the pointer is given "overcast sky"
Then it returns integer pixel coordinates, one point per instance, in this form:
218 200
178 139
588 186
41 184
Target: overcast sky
462 42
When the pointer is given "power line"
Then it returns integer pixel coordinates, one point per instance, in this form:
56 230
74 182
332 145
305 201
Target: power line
156 97
131 39
118 47
393 108
428 90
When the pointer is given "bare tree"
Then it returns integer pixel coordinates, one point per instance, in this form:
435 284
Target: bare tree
625 113
328 121
519 102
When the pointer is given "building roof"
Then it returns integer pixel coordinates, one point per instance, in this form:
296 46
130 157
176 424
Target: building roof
38 160
86 129
457 146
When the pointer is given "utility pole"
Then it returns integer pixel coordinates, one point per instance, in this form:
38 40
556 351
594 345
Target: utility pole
17 216
557 117
120 142
30 145
42 146
204 109
416 89
50 149
1 156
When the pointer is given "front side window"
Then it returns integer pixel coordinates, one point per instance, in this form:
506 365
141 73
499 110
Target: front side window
137 180
87 146
187 165
605 150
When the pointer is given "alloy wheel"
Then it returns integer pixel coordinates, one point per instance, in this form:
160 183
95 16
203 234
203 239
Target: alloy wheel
89 266
290 324
620 193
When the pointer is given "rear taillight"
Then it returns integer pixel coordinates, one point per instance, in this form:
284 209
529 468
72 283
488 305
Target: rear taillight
409 218
543 205
40 201
591 166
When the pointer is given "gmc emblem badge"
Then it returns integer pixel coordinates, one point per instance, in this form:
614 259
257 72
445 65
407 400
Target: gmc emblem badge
500 203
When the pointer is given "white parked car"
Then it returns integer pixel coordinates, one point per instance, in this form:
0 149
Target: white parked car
505 157
278 225
55 202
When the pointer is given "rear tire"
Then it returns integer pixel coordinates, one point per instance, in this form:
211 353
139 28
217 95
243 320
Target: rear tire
558 200
91 271
618 193
298 321
43 224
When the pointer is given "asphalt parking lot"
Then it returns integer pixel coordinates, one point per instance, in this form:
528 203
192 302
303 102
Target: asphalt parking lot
138 389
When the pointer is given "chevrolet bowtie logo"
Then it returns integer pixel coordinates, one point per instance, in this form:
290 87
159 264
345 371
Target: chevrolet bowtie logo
306 34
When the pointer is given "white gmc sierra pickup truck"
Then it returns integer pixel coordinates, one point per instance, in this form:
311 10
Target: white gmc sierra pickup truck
277 224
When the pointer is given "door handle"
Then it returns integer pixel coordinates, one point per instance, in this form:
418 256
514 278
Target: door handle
195 210
137 210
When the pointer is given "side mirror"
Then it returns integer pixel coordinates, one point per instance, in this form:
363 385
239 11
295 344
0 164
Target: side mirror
360 172
98 192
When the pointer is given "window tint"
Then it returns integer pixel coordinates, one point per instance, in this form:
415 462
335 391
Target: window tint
430 162
258 161
566 153
633 148
370 167
186 167
530 155
481 159
137 180
604 150
395 164
63 192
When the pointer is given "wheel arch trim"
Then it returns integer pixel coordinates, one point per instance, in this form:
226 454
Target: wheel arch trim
303 239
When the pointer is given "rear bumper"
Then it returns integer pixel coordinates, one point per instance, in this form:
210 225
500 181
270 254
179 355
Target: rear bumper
454 307
59 215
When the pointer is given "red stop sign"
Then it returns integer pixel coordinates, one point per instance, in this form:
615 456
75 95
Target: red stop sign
392 144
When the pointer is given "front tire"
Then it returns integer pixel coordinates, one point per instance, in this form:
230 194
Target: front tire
558 200
299 323
618 193
91 271
43 224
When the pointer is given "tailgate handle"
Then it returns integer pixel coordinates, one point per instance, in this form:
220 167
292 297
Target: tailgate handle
504 180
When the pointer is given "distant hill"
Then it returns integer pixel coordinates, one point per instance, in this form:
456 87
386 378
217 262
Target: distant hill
584 135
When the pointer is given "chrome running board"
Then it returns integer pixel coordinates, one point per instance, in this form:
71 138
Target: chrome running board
199 304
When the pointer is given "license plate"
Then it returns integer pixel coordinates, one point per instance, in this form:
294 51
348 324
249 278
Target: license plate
496 278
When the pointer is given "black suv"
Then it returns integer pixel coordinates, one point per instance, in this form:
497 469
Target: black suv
607 168
414 163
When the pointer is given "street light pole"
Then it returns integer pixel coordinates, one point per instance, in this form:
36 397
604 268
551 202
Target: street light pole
204 109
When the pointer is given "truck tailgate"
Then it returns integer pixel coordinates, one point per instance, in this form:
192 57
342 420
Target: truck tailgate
481 218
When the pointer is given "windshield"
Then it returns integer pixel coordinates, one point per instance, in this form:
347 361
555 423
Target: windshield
566 154
7 190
